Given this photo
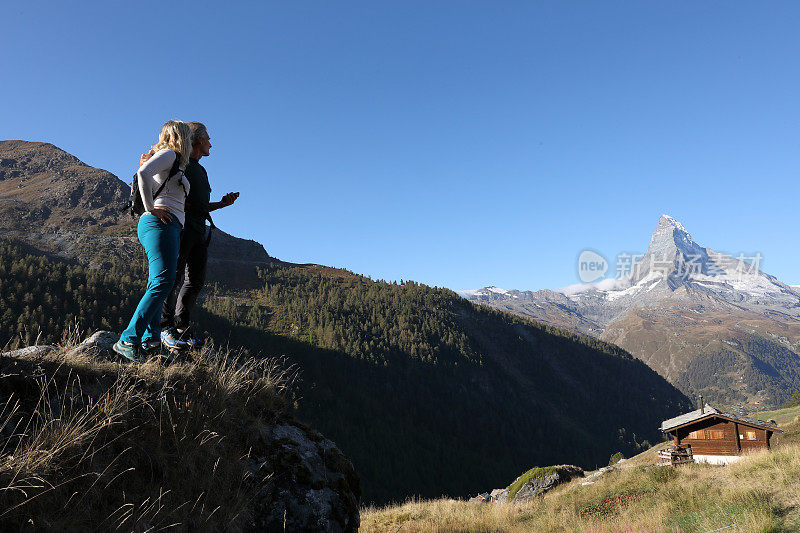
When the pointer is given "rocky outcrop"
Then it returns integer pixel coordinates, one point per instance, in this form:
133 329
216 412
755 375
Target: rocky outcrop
313 486
97 345
297 479
31 351
225 247
532 483
537 485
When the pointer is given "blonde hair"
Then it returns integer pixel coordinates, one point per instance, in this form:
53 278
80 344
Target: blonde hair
176 135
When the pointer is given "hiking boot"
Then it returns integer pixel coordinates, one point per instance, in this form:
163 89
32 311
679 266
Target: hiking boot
150 348
171 340
193 341
127 350
153 347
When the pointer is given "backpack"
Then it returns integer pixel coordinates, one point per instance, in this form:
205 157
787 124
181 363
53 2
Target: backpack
135 205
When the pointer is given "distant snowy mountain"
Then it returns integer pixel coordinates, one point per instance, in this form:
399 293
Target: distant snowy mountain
486 291
681 300
674 267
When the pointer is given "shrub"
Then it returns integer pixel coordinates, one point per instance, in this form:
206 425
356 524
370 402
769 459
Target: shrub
615 458
661 474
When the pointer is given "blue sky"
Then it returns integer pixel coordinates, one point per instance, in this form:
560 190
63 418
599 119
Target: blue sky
459 144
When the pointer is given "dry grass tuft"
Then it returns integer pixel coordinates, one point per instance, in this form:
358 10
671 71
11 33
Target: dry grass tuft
97 445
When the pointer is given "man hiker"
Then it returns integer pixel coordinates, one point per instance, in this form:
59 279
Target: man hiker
176 332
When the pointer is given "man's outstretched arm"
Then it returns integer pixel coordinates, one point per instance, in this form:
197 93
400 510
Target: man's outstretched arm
227 200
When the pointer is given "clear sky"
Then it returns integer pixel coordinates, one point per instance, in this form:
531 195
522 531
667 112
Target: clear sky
456 143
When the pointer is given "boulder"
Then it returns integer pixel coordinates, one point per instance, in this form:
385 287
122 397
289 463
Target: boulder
30 351
537 481
599 472
499 495
311 485
97 345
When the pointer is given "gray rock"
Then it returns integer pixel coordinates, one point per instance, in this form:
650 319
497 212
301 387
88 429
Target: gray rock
539 485
480 498
599 473
309 485
31 351
97 345
499 495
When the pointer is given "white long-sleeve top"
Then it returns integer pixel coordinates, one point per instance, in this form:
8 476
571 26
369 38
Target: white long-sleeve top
150 177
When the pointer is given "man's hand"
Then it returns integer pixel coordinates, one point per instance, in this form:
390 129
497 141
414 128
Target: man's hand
146 157
228 199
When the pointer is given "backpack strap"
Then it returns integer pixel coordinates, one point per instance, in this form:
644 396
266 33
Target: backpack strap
210 229
172 172
205 215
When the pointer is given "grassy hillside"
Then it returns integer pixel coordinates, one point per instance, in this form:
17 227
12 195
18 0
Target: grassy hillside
781 416
93 445
758 494
789 420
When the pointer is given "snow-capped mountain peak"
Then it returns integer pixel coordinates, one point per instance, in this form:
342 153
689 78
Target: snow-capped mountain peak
710 321
485 291
668 221
671 231
674 267
671 253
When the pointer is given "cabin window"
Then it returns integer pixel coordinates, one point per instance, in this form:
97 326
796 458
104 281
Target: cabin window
751 435
697 435
715 434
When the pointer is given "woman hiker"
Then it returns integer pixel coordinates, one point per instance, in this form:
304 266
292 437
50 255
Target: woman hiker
159 232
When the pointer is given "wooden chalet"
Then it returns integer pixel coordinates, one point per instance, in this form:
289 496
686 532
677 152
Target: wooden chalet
716 437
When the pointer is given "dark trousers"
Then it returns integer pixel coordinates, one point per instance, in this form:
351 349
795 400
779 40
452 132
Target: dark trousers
189 281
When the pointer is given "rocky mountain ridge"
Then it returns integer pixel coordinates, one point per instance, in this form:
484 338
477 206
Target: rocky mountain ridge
54 202
674 267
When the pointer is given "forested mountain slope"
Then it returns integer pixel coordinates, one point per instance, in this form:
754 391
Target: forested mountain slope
427 393
414 382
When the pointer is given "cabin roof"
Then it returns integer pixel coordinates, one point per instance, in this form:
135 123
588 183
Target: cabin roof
709 411
687 417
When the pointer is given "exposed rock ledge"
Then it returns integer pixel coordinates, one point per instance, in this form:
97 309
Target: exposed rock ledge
532 483
301 480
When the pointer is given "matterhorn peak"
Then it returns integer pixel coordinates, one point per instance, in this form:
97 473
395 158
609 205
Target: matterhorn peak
671 249
668 221
671 234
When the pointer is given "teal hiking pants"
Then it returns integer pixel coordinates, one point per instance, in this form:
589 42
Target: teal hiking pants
161 243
